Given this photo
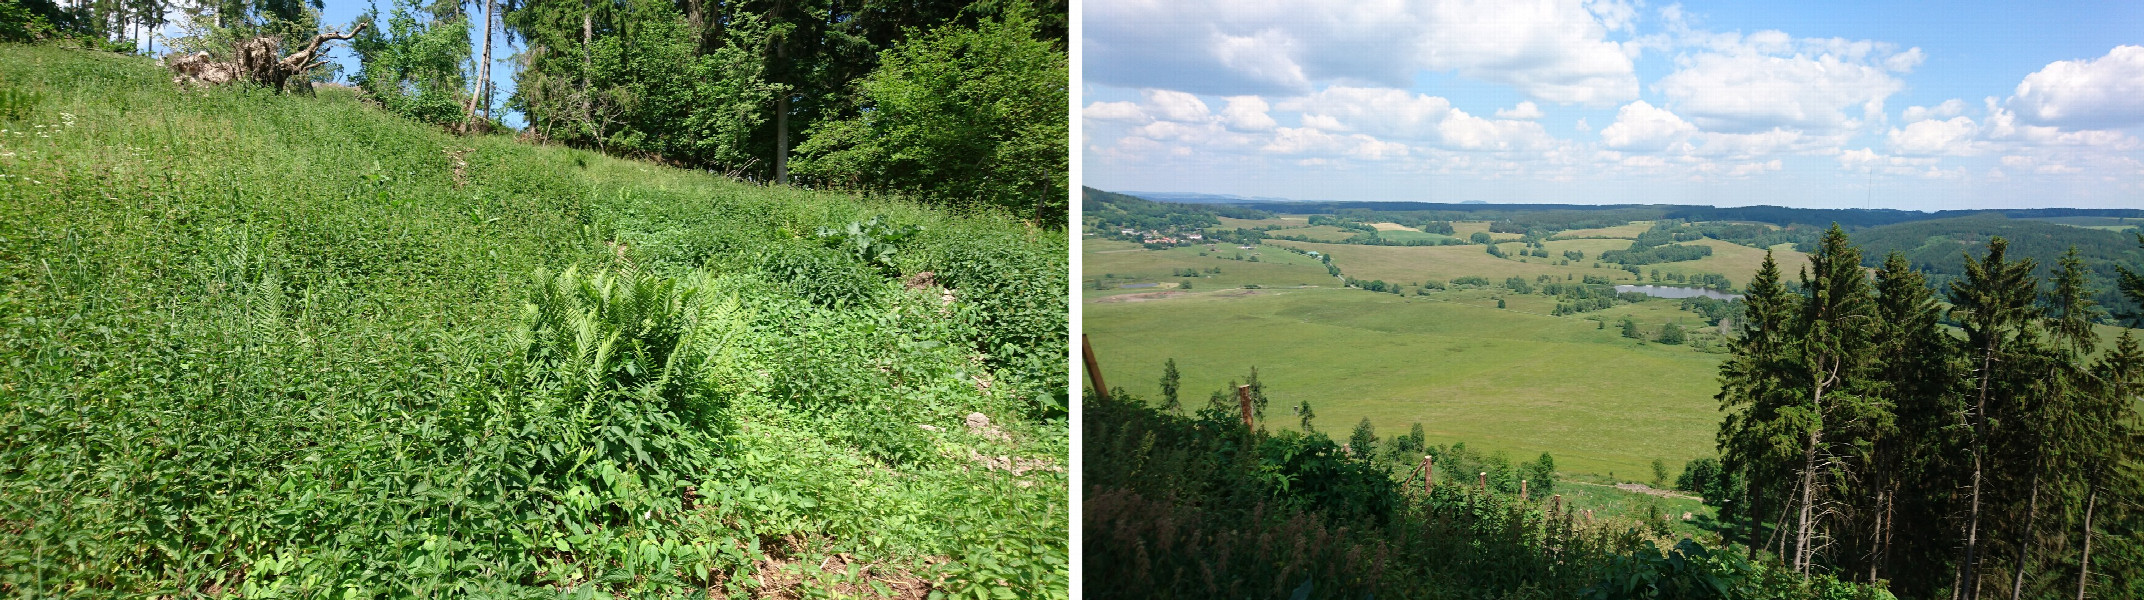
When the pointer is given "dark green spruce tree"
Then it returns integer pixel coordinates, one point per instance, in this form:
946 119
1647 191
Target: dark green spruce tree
1755 438
1994 304
1915 470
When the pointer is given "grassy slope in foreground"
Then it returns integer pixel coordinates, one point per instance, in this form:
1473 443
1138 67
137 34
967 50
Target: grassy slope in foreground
285 345
1495 379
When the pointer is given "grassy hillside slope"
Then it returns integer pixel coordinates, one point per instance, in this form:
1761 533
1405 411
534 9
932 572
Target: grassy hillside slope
292 346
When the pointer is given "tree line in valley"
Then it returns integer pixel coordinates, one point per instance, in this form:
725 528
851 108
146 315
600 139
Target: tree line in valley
961 103
1977 442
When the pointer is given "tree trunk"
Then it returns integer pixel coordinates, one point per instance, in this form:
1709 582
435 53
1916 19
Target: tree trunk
2024 540
1876 541
1801 528
483 73
1754 512
781 112
2084 565
488 7
781 139
1966 569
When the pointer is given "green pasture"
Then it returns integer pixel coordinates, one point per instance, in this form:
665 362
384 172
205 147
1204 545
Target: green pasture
1628 231
1442 263
1115 263
1499 380
1324 233
1283 221
1409 235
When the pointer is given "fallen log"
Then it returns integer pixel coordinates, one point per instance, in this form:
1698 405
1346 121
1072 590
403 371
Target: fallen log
255 60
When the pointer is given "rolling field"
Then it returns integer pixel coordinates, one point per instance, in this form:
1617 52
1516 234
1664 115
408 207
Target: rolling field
1501 380
1628 231
1129 263
1442 263
1326 233
1407 235
1403 263
1283 221
1466 229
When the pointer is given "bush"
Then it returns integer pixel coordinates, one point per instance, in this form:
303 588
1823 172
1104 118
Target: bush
825 276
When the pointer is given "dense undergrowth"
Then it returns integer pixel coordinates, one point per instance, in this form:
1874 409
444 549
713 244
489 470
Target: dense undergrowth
285 346
1200 506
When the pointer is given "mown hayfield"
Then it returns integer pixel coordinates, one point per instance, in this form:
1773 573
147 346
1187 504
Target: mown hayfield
1279 220
1465 230
1116 263
1442 263
269 345
1501 380
1389 226
1326 233
1593 247
1738 262
1409 235
1627 231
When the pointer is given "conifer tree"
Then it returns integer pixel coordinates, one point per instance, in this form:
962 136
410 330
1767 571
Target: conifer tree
1753 440
1993 302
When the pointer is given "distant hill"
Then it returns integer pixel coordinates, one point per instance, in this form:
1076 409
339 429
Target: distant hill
1475 210
1940 246
1111 210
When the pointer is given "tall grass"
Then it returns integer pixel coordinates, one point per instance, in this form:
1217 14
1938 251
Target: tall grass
274 345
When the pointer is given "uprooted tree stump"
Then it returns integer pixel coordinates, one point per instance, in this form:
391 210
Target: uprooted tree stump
255 60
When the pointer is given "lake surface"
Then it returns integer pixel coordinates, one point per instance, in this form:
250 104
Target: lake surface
1669 291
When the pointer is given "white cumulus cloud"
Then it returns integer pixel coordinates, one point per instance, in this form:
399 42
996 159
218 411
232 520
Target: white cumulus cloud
2101 93
1639 126
1927 137
1525 110
1550 50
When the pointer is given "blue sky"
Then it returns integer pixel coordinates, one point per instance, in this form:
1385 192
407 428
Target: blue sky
340 14
1910 105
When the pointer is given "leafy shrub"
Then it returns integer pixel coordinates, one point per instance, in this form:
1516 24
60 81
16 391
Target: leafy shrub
826 276
871 242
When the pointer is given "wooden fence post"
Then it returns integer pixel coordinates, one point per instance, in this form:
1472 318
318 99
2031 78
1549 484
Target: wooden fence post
1522 490
1243 393
1555 504
1484 485
1429 472
1094 371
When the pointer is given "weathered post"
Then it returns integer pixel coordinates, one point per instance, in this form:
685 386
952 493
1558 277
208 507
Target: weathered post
1429 472
1555 503
1484 484
1094 371
1243 394
1522 490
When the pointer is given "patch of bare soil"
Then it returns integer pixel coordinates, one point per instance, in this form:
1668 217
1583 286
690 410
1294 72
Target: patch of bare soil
1646 489
784 579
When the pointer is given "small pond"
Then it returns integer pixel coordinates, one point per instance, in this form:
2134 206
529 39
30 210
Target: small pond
1677 292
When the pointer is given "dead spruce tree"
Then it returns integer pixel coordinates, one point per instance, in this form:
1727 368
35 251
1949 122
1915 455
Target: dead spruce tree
254 59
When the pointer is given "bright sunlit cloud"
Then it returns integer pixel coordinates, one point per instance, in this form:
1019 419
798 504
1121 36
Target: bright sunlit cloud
1610 101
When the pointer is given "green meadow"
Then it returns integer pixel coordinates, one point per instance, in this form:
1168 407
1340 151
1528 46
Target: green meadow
1512 380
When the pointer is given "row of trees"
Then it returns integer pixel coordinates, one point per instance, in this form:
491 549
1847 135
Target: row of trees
1983 447
952 102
